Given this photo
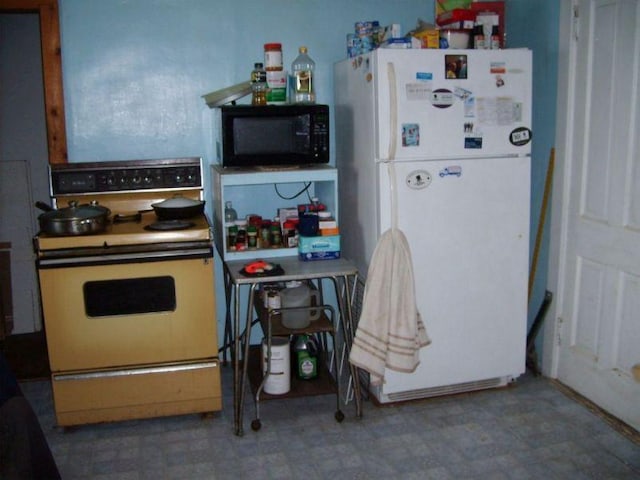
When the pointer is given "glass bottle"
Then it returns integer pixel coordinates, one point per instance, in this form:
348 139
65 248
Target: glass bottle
230 214
478 37
303 70
494 44
258 85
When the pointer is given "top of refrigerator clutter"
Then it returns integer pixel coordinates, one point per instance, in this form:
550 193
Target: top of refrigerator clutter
459 24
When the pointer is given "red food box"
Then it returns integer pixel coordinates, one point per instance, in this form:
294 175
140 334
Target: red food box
457 15
496 8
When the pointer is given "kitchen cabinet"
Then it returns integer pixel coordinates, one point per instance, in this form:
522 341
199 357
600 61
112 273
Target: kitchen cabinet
262 191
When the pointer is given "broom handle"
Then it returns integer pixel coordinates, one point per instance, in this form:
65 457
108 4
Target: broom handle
541 223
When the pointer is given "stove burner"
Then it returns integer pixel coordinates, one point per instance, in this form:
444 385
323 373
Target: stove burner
164 225
131 217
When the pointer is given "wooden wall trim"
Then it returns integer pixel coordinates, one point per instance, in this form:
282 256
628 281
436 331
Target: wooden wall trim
51 70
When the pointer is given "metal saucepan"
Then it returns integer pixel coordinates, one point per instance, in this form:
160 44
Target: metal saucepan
178 208
73 220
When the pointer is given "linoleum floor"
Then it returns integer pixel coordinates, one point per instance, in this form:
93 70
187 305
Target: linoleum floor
530 430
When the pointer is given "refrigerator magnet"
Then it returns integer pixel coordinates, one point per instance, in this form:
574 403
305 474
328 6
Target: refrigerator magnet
473 142
410 135
520 136
455 66
417 91
498 68
442 98
452 170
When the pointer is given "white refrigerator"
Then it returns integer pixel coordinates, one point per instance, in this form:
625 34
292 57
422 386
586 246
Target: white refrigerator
440 141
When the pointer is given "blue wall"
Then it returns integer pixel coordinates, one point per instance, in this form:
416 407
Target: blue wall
134 71
535 25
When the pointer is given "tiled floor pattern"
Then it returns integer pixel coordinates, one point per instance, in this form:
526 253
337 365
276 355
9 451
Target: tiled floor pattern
528 431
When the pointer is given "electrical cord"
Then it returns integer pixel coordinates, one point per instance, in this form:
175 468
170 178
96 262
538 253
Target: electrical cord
305 189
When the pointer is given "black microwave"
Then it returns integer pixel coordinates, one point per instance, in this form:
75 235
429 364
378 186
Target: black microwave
253 136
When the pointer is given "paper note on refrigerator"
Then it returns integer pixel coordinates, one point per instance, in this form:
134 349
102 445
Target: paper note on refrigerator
496 110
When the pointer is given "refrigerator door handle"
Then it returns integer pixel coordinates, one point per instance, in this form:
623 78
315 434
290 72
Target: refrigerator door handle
393 111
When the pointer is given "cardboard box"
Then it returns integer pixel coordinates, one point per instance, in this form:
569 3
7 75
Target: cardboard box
319 248
327 232
428 38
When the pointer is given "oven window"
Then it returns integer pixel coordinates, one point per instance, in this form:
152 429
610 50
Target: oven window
130 295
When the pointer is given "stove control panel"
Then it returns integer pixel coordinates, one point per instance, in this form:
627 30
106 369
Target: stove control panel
102 177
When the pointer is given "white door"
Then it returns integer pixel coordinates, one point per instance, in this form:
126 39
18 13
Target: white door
594 344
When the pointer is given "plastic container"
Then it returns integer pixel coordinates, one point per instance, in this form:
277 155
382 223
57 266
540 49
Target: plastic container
273 57
299 296
456 38
259 94
305 357
279 380
303 71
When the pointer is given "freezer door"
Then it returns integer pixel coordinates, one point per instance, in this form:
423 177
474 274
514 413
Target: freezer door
467 223
451 103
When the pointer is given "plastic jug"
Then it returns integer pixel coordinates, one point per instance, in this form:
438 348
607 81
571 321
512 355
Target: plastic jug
299 296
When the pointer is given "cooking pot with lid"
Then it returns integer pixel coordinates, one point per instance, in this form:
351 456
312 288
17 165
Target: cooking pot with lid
75 219
177 208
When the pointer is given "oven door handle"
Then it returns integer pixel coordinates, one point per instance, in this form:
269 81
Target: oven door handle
120 258
125 372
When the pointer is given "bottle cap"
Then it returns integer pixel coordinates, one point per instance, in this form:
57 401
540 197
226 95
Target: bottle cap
302 49
272 46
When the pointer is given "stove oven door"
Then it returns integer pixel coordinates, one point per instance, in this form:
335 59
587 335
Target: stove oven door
132 337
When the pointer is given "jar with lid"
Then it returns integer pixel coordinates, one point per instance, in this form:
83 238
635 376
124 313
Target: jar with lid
241 237
264 239
273 57
289 234
232 234
275 235
252 237
276 75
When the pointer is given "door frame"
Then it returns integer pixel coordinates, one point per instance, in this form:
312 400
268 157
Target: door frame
51 70
560 195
